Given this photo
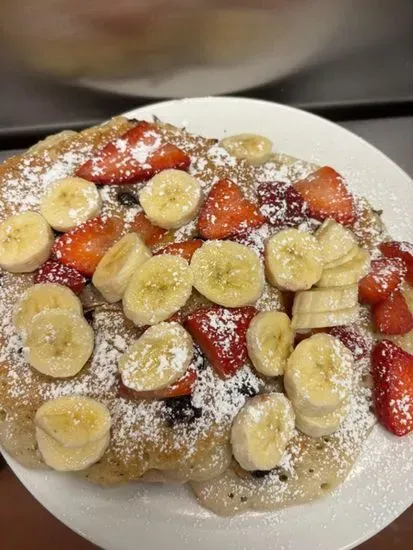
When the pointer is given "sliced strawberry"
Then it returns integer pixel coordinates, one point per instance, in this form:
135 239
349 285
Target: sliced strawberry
226 212
53 271
184 386
385 275
135 156
221 335
281 204
185 249
402 250
392 370
150 234
326 196
393 316
353 340
83 247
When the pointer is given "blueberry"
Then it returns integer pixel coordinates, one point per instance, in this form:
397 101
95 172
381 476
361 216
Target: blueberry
126 198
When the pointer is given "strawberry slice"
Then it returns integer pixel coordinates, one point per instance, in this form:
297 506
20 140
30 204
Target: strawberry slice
281 204
136 156
83 247
183 386
352 339
327 196
226 212
221 335
393 316
392 370
402 250
385 275
185 249
150 234
54 272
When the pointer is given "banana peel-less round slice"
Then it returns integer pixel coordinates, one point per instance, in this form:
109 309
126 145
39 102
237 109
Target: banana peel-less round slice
319 426
73 421
58 343
158 358
347 273
253 148
26 241
335 240
157 290
228 273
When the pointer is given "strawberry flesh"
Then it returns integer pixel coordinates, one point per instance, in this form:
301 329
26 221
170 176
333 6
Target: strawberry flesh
184 249
402 250
136 156
221 335
327 196
53 271
149 233
393 316
226 212
281 204
385 276
392 370
83 247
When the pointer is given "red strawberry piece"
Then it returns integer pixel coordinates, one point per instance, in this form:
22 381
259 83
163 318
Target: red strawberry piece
254 238
185 249
136 156
352 339
402 250
150 234
392 370
385 275
281 204
184 386
393 316
327 196
83 247
54 272
226 212
221 335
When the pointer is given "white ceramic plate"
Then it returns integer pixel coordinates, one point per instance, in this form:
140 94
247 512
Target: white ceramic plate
380 486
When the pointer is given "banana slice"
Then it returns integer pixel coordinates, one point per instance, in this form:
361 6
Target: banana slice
117 266
325 319
293 260
320 300
70 460
227 273
58 343
171 199
261 431
348 273
270 342
251 147
70 202
43 297
26 241
335 240
73 421
351 254
319 426
158 358
318 375
157 290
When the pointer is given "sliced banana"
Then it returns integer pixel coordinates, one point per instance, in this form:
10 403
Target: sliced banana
58 343
251 147
318 376
348 273
335 240
351 254
325 319
64 459
158 358
228 273
117 266
171 199
73 421
319 426
43 297
69 202
157 290
293 260
261 431
320 300
270 342
26 241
